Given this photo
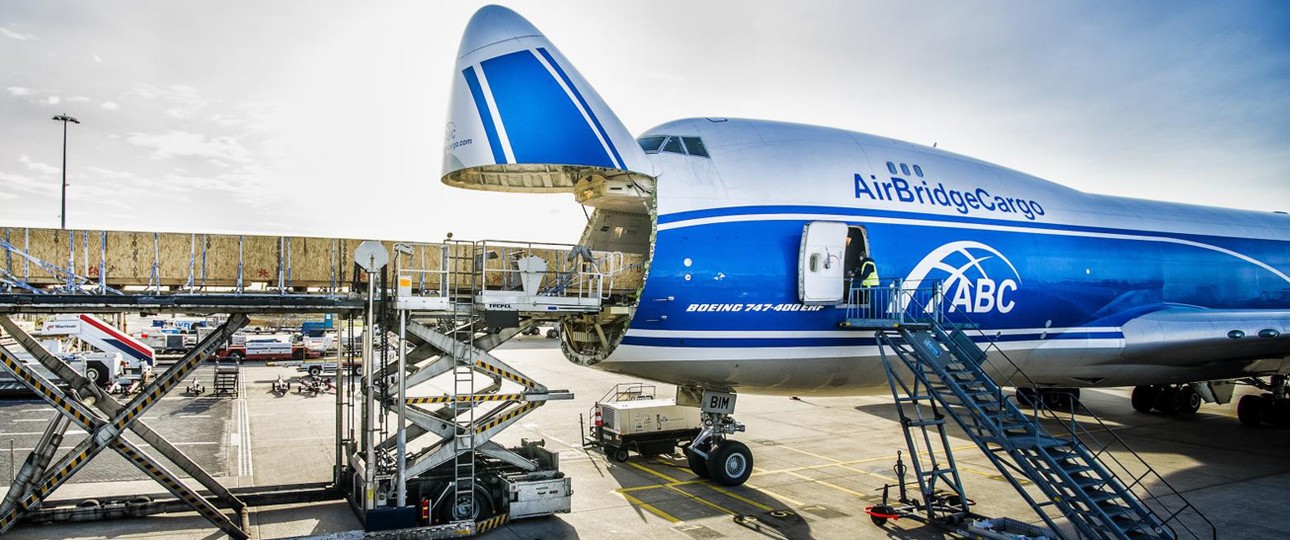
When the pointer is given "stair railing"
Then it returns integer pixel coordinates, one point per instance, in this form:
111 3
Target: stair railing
926 299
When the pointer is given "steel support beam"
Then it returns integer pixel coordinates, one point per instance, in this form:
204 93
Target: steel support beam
105 434
37 461
110 406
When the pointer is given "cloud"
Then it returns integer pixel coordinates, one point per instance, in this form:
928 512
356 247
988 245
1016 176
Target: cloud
110 105
53 100
37 166
188 102
15 35
186 144
19 91
96 58
78 99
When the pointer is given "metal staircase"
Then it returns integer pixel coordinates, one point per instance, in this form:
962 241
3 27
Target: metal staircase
1071 469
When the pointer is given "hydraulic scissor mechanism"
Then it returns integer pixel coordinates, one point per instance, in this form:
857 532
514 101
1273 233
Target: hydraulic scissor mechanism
466 419
106 423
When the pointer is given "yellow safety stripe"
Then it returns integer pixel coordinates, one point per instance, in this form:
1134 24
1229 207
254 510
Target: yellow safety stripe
465 398
505 374
167 480
491 523
61 402
514 413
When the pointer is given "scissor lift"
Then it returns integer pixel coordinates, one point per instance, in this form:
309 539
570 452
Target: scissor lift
105 426
440 470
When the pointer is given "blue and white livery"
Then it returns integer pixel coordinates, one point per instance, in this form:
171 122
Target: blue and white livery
1079 289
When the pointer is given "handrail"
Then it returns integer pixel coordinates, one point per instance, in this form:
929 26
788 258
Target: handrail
935 315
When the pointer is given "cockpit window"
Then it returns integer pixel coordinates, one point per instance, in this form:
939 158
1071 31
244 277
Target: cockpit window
673 145
650 144
694 146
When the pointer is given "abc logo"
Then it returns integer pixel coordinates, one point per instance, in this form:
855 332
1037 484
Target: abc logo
976 277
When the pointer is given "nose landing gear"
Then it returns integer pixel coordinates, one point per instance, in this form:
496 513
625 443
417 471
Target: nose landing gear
712 454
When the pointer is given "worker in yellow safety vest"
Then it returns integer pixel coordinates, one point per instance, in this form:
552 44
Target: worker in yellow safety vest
868 273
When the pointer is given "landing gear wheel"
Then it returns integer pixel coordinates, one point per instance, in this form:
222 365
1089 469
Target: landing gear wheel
1249 410
1144 398
1058 399
1278 412
1187 400
1167 400
476 506
698 464
730 463
1025 397
619 454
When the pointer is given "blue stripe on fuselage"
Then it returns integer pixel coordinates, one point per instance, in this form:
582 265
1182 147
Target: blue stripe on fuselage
618 160
477 93
1062 281
858 341
542 123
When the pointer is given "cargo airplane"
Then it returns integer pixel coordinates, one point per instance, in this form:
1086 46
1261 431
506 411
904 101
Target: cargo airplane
746 225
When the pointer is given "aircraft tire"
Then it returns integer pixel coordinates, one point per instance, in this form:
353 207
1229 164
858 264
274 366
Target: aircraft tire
730 463
1249 410
1187 400
1167 400
1058 399
698 465
1144 398
1279 411
1025 396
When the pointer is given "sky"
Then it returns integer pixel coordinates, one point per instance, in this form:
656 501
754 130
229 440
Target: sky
325 118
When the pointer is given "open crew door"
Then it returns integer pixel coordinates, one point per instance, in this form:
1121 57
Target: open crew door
820 263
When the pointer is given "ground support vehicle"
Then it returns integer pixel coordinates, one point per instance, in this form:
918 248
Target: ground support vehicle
629 418
119 356
268 349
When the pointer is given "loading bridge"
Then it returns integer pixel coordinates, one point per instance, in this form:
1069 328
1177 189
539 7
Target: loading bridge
938 372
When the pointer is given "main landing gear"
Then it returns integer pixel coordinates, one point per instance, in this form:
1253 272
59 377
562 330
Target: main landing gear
1272 407
1055 399
712 454
1166 398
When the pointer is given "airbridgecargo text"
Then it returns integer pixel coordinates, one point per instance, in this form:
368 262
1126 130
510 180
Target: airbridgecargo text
752 307
964 202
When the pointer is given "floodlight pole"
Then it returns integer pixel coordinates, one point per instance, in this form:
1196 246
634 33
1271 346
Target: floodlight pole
62 215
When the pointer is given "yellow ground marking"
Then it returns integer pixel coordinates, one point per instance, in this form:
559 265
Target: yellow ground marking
650 508
673 484
829 484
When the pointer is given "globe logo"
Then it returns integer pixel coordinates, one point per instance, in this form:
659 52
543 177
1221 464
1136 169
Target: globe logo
967 286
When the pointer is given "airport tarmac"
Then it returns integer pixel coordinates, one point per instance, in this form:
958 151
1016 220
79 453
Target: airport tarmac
819 462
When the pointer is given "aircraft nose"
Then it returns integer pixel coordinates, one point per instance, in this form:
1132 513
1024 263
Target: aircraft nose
493 24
